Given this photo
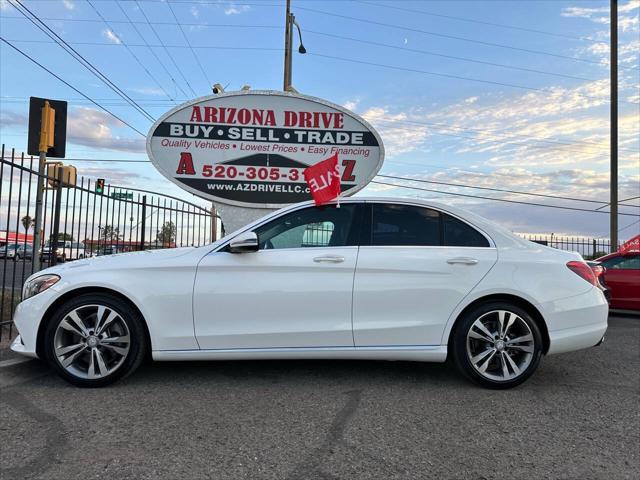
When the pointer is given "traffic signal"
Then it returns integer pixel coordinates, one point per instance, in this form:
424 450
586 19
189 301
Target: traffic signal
100 186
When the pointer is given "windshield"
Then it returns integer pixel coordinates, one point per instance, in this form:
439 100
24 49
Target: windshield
13 246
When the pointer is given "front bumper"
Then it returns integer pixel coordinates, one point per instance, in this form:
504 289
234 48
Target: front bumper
27 318
18 346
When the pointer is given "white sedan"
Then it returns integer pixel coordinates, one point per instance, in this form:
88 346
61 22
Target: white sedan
384 279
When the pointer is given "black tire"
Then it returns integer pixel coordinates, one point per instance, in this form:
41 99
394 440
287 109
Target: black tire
129 315
461 356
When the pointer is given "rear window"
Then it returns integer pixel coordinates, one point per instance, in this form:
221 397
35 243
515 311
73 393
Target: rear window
405 225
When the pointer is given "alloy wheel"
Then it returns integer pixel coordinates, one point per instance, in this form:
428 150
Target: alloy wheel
500 345
92 341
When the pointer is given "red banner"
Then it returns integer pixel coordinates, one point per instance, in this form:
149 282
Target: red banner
323 179
631 246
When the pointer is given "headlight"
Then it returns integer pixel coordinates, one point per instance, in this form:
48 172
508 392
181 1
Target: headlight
38 284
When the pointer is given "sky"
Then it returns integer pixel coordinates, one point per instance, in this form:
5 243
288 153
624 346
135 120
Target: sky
492 93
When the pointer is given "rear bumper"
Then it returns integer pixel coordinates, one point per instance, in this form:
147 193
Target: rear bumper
577 322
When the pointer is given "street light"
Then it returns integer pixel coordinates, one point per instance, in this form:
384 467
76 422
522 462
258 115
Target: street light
290 21
301 48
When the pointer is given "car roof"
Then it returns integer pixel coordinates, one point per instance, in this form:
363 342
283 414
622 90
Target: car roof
499 235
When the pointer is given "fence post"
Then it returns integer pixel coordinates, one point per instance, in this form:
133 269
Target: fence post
144 221
56 220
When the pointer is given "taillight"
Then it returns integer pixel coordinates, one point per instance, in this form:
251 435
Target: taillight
583 270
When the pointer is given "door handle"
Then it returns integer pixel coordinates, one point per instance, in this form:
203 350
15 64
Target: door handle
329 259
463 261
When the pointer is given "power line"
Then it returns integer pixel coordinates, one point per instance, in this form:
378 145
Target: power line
129 50
453 57
473 20
109 44
72 87
568 142
504 143
492 189
457 77
33 18
184 24
144 40
630 225
389 120
451 37
577 209
184 35
165 48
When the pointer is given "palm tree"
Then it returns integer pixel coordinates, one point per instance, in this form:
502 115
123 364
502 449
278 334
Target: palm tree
27 222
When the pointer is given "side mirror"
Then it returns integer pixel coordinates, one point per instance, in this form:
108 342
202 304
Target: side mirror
245 242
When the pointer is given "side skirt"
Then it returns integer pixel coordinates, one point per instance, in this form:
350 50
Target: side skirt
415 353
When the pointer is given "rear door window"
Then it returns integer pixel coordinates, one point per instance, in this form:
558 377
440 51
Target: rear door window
459 234
404 225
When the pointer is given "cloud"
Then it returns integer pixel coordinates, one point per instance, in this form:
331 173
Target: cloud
5 5
194 11
600 15
68 4
351 104
111 36
233 9
112 175
398 138
94 128
11 119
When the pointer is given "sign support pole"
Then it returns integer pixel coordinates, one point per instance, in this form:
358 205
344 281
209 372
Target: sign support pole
47 128
37 234
613 65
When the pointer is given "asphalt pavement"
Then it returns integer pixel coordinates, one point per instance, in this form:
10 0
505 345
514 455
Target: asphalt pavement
576 418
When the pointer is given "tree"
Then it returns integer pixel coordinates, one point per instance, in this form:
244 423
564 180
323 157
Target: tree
167 234
109 232
27 222
63 237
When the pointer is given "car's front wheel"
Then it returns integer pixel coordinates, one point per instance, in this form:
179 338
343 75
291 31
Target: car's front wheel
498 345
95 339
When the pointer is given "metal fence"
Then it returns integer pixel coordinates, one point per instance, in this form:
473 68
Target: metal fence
78 222
589 248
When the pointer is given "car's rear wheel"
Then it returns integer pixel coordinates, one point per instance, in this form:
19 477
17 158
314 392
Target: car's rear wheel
497 345
95 339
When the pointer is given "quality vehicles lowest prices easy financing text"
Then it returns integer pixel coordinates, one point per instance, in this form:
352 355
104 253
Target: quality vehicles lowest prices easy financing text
384 279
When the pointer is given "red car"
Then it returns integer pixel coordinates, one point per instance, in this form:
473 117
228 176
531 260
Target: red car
622 278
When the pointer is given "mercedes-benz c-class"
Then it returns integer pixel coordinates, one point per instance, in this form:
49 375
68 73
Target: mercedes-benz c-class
383 279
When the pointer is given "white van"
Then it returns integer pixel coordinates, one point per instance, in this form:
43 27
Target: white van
65 250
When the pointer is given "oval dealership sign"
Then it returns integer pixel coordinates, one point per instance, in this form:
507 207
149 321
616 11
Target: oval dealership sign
251 148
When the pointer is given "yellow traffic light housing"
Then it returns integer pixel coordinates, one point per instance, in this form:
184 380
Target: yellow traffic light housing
47 127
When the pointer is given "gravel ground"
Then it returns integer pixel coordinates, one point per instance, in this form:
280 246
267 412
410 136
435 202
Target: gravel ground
577 418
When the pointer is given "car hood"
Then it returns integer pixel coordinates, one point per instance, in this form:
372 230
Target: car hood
139 259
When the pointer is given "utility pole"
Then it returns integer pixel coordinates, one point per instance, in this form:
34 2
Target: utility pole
287 47
613 66
289 23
